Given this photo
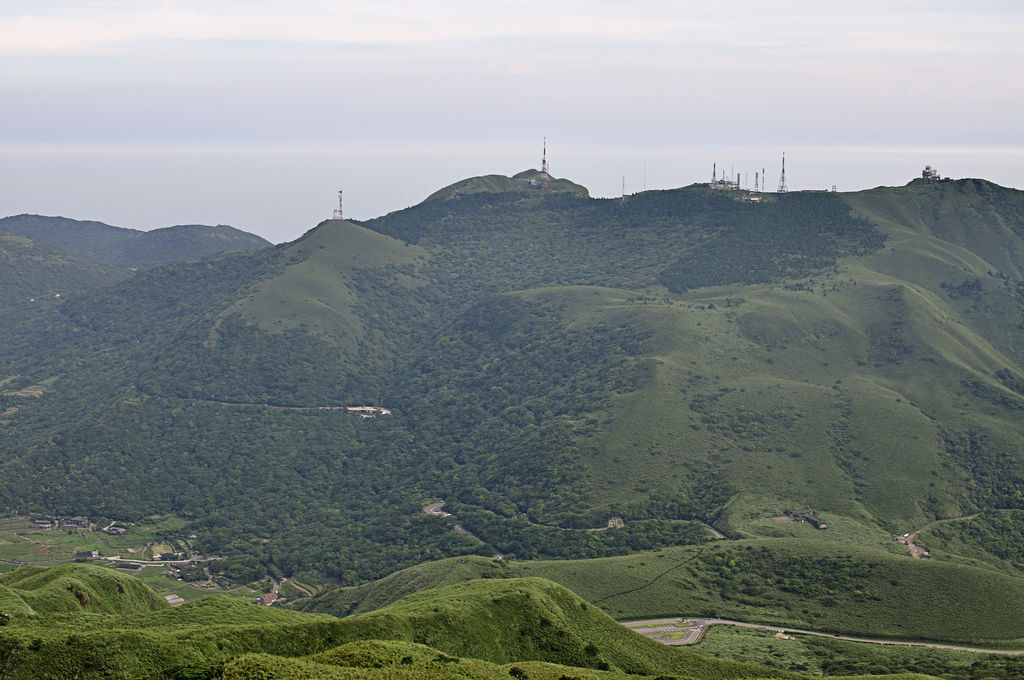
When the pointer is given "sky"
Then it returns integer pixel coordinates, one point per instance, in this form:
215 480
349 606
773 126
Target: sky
145 114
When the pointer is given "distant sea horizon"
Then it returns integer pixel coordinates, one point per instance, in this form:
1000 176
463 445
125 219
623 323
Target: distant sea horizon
280 191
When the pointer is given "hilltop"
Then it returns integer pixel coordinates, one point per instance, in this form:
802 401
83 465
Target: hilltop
526 182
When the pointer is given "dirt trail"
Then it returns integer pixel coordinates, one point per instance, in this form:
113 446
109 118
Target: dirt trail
916 551
276 407
434 509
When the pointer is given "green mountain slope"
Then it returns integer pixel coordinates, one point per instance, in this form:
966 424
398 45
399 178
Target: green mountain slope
368 597
129 247
532 619
802 582
486 622
33 272
74 588
678 360
35 280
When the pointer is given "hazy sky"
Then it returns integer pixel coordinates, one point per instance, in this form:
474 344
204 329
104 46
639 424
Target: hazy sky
145 114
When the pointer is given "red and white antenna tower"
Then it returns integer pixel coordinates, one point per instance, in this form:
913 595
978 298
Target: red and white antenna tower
782 177
544 176
338 213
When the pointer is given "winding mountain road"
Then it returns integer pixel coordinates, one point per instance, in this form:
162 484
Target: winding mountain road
667 631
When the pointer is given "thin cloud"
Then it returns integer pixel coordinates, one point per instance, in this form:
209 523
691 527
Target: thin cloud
799 28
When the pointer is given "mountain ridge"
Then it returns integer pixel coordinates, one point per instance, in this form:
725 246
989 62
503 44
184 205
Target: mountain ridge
123 247
551 361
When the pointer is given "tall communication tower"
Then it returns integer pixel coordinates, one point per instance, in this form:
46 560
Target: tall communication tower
544 176
782 177
338 213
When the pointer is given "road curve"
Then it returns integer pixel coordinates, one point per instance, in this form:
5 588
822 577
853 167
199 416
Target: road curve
435 510
694 628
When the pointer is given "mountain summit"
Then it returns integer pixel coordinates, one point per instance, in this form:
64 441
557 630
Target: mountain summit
526 182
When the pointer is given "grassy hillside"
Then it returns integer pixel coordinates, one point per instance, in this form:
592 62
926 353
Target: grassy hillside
368 597
427 667
121 247
498 622
828 656
991 538
977 222
803 583
799 582
74 588
531 619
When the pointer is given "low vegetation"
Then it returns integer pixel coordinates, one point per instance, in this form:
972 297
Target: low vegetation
802 583
828 656
497 622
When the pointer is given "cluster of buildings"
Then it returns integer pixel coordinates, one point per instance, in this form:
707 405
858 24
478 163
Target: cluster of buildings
805 515
77 522
931 175
368 411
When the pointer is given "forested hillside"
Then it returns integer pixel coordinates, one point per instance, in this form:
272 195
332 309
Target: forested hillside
678 360
34 272
121 247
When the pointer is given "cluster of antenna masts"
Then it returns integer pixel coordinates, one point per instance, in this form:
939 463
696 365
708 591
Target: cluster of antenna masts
726 182
339 213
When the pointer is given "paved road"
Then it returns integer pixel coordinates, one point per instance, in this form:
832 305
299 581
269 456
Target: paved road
688 631
435 510
694 628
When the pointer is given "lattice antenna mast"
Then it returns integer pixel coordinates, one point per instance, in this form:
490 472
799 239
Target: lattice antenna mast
339 214
545 177
782 177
